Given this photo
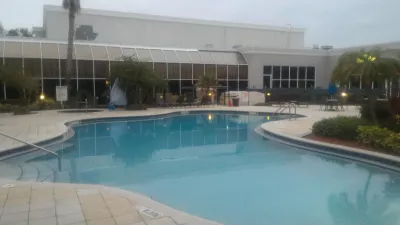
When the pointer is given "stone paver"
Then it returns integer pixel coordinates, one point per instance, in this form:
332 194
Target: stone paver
85 205
73 204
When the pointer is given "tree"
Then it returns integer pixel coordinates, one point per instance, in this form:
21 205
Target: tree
73 7
24 83
19 32
1 29
136 79
366 66
207 81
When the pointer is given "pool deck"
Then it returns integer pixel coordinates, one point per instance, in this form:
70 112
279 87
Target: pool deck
63 204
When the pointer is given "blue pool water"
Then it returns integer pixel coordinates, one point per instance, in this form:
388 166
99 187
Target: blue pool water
215 166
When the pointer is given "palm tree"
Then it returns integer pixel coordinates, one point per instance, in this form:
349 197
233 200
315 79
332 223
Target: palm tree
366 66
73 7
207 81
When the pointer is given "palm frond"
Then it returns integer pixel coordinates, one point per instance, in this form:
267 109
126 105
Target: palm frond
72 5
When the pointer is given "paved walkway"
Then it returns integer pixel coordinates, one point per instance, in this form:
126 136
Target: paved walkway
65 204
72 204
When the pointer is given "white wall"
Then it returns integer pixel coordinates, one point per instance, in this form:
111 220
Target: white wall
157 33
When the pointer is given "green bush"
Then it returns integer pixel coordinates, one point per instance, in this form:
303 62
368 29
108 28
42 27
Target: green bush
339 127
45 104
381 138
20 109
5 108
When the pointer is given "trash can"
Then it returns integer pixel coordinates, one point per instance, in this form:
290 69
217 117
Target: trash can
235 102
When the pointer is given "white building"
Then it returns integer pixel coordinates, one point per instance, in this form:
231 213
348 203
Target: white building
160 31
181 50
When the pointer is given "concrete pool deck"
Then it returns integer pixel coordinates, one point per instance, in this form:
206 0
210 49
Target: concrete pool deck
63 204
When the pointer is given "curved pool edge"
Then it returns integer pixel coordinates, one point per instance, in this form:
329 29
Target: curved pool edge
382 160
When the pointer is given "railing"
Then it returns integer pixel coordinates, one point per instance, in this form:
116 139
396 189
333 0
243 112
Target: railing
38 147
287 105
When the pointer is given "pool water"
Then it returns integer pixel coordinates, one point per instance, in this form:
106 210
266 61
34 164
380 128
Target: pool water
215 166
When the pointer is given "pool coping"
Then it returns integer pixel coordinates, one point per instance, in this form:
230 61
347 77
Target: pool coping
381 160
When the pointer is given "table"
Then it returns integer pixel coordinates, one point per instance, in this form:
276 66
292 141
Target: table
332 104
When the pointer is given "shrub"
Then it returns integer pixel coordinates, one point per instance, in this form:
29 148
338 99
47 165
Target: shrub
20 110
5 108
339 127
381 138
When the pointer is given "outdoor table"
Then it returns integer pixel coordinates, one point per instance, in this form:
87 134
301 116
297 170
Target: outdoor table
332 104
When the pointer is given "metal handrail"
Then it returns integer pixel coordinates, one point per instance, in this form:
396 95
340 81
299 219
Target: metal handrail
35 146
287 105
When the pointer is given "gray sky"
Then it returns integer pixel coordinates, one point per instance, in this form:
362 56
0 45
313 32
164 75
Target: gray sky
336 22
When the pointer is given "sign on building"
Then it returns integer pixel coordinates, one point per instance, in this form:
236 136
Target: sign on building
61 93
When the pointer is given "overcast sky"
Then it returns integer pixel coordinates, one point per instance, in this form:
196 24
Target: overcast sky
335 22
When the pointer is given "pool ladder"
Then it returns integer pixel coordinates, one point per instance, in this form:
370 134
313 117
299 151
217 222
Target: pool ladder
37 147
289 106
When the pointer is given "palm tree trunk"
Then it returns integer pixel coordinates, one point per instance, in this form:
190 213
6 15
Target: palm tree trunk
372 103
70 49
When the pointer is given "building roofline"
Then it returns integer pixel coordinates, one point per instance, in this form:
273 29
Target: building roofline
48 8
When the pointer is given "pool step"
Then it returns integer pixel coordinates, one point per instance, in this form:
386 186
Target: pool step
46 173
29 172
10 171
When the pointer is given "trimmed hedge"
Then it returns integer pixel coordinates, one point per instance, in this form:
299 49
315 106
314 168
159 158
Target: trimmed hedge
381 138
341 127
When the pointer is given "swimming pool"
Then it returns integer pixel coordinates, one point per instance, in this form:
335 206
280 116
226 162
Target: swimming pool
215 166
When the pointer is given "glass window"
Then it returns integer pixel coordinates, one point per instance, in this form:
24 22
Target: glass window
198 71
100 52
83 52
64 68
285 72
171 56
157 55
293 73
32 50
114 53
276 84
206 57
355 82
267 82
51 68
13 50
14 63
268 70
276 70
49 87
101 69
50 51
284 84
222 72
186 71
33 67
302 84
211 69
218 57
85 68
293 84
243 85
173 71
183 56
230 58
243 72
144 55
302 72
310 73
233 72
195 56
233 85
161 69
129 52
310 84
63 51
